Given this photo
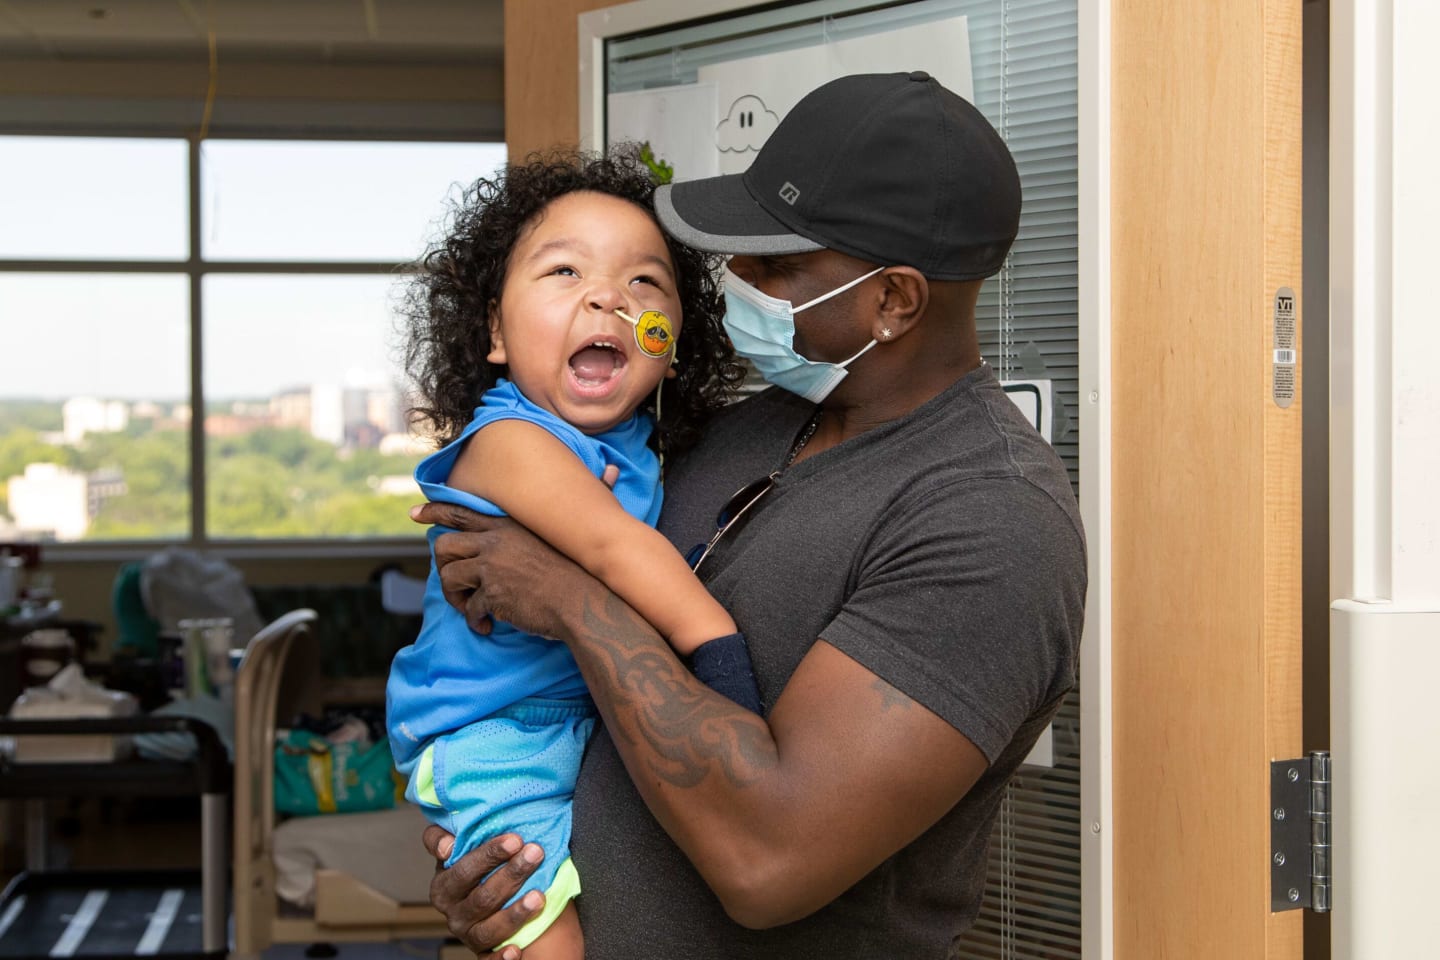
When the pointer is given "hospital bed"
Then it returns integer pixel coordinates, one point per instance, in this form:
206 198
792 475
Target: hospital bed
344 877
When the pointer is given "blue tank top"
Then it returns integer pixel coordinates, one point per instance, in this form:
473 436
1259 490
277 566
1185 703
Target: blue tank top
452 676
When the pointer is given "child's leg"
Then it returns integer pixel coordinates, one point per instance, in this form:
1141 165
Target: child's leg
514 772
562 941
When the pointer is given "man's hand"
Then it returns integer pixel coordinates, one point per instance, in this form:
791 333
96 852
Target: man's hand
495 567
475 911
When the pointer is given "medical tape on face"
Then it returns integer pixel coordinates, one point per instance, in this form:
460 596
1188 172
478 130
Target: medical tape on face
654 334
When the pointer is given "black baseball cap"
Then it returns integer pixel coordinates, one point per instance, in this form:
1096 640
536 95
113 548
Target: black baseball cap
888 167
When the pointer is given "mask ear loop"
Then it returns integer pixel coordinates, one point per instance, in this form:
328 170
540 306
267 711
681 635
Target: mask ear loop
658 321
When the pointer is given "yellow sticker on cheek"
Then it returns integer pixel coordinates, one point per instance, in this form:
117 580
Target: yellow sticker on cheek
653 333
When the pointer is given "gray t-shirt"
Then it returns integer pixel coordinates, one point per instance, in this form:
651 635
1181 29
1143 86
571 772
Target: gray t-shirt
943 552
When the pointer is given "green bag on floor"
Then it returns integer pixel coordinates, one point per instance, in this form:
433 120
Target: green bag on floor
315 776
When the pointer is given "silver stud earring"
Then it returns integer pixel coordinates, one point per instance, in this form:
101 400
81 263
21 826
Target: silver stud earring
885 333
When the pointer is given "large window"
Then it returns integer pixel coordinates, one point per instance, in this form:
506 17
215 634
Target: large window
217 368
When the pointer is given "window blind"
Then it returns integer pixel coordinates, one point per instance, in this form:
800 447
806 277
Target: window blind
1025 63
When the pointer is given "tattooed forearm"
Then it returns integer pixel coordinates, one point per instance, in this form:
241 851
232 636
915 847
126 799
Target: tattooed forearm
890 698
690 731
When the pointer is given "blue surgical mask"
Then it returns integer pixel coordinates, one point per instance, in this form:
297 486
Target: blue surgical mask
762 328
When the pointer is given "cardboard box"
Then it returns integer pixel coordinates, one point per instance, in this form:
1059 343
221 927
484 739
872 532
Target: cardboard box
88 748
71 697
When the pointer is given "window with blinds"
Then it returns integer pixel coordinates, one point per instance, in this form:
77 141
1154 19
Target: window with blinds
1023 56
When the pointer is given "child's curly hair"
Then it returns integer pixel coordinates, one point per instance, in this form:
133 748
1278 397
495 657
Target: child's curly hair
446 306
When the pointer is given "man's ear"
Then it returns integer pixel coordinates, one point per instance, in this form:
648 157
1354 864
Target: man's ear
904 301
497 339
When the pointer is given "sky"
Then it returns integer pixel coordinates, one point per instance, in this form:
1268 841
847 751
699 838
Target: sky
127 337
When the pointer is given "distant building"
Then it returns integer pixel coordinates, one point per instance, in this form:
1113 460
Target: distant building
102 485
383 408
327 413
49 500
84 415
351 417
362 436
251 408
234 425
291 408
406 445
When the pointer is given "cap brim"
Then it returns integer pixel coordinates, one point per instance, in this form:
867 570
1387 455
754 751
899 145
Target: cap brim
718 215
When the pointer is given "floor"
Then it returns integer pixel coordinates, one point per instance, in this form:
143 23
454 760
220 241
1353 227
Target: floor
402 950
96 834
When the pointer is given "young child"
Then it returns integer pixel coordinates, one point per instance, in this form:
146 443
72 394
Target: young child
558 306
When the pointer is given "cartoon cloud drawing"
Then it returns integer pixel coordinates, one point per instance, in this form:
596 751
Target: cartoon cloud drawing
747 126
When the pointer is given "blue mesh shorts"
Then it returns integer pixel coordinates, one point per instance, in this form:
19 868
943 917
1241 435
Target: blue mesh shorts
512 772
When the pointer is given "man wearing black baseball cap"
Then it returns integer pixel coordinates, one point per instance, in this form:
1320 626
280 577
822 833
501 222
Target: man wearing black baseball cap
905 557
889 168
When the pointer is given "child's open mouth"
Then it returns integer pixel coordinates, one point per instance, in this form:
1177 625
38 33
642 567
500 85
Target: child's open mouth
597 364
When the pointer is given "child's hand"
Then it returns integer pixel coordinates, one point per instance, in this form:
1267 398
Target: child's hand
475 911
610 476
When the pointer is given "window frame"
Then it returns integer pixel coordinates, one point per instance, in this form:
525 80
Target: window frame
195 268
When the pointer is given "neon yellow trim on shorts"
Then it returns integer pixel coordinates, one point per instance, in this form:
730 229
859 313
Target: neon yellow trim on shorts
565 888
425 777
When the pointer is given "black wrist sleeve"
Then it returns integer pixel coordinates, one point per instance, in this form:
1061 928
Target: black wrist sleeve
723 665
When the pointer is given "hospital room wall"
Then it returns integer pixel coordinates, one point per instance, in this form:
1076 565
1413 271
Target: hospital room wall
542 85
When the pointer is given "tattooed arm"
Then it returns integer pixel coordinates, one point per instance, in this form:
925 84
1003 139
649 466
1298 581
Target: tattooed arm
780 814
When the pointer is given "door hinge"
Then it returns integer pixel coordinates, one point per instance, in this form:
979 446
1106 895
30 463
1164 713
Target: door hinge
1300 833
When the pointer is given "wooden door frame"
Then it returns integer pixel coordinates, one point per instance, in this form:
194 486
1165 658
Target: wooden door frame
1205 497
1097 859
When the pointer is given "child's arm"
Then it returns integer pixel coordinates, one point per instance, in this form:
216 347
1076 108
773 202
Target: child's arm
535 478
